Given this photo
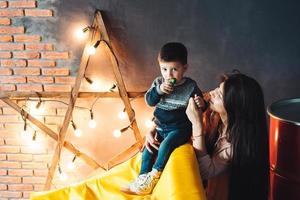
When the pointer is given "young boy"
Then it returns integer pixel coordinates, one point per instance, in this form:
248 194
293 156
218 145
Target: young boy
170 95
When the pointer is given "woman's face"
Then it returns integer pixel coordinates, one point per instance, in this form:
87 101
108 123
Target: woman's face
216 99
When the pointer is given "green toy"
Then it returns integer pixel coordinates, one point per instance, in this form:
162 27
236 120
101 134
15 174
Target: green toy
172 81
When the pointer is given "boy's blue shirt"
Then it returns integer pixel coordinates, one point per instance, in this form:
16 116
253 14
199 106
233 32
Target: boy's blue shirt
170 108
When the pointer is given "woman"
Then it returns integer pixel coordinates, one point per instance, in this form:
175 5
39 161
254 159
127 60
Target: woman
234 156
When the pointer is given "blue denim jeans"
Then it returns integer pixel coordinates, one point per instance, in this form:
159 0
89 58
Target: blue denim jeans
169 140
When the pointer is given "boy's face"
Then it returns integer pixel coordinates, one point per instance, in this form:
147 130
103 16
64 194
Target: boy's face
173 69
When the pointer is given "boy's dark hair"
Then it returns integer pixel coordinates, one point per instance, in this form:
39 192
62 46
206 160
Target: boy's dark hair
173 51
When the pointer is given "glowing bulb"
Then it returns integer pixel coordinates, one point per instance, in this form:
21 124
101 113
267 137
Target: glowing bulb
37 145
117 133
39 111
42 109
35 109
63 176
78 132
71 165
80 34
92 123
91 50
122 115
149 123
25 135
96 85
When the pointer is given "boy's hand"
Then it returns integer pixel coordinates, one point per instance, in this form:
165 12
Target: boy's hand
151 140
166 87
199 101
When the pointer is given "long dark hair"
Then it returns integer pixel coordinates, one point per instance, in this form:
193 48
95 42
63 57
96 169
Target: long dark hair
248 134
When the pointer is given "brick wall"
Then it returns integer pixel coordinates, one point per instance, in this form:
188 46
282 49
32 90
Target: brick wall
28 62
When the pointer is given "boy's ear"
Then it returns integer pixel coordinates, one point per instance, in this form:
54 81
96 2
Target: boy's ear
185 67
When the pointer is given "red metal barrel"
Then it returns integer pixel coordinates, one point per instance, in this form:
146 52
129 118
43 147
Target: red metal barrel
285 149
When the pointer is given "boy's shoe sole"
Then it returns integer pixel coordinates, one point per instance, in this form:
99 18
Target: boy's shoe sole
127 190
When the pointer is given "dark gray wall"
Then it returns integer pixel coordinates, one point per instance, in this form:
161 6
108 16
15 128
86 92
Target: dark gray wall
260 38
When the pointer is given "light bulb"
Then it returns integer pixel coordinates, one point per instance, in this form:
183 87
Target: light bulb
117 133
91 50
80 34
71 165
96 85
149 123
25 135
42 110
92 123
37 109
63 176
78 132
122 115
37 145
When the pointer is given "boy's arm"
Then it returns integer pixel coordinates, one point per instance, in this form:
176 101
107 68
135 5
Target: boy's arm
154 94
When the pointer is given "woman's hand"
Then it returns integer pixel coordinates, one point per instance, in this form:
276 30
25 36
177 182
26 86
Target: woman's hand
199 101
193 113
151 140
195 116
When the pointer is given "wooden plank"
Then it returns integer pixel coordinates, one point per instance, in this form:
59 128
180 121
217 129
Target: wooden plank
99 30
119 79
16 94
91 162
119 158
93 37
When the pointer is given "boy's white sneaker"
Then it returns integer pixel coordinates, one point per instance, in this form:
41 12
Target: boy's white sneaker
148 183
131 187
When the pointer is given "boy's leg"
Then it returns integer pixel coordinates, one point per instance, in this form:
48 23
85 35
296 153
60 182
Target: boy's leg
173 139
148 158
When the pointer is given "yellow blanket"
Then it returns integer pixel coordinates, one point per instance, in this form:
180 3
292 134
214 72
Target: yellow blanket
180 180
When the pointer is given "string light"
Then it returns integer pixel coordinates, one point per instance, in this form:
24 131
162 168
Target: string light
92 122
77 132
81 33
122 115
25 135
113 88
34 136
38 105
38 108
36 142
62 175
118 133
71 165
92 49
88 80
96 86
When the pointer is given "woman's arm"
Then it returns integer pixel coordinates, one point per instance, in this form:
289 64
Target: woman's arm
195 116
209 166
